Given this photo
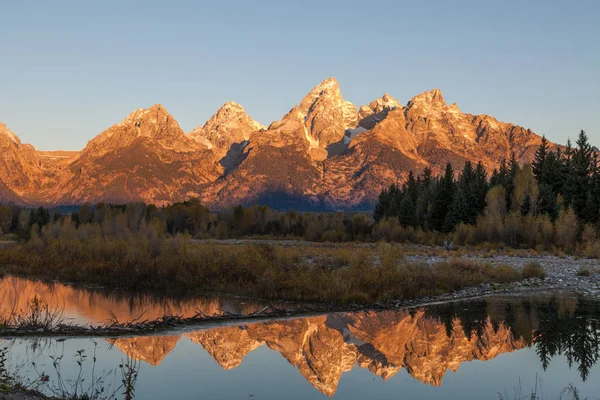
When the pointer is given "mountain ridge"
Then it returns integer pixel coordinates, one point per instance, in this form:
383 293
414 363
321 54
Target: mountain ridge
324 154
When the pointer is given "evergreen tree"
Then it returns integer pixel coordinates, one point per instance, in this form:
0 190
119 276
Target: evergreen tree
526 205
443 198
553 172
412 188
580 178
406 211
474 186
566 175
595 187
510 180
382 205
539 164
590 211
395 198
458 212
546 203
427 177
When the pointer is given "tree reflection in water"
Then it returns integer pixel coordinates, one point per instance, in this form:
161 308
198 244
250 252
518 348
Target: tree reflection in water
554 325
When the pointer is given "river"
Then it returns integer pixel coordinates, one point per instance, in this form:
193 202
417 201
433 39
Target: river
461 350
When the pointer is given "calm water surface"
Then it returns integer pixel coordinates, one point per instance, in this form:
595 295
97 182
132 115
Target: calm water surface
464 350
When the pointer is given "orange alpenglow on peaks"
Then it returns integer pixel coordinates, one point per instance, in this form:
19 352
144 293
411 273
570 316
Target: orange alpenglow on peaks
324 154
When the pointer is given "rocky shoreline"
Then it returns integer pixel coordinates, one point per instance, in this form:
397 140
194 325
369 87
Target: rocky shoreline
562 275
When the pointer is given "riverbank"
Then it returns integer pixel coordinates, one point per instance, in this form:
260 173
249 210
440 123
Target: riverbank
562 276
327 279
344 275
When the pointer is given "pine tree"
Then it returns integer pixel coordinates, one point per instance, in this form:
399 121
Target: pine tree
477 193
546 203
553 171
458 212
443 198
395 195
412 188
406 211
595 186
467 184
566 175
539 164
581 176
526 205
510 180
427 177
382 205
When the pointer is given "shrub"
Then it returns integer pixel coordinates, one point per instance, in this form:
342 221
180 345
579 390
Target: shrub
584 271
390 255
592 250
311 273
464 235
546 231
589 234
566 229
534 270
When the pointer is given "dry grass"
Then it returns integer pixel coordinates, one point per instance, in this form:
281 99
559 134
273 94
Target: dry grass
341 274
584 271
534 270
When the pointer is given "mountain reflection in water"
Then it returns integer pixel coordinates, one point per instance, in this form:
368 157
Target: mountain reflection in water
426 342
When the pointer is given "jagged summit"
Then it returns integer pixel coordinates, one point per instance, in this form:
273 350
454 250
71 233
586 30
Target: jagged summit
377 110
152 114
329 88
384 102
326 116
230 125
329 83
434 97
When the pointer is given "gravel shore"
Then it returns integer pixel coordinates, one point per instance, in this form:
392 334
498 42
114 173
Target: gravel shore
562 276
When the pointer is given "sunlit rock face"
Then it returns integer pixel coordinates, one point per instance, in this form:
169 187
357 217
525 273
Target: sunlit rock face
323 154
20 168
326 115
370 115
229 126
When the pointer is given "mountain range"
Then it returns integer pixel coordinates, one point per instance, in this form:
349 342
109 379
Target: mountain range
324 154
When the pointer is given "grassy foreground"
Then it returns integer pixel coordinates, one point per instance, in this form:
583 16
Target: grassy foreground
146 261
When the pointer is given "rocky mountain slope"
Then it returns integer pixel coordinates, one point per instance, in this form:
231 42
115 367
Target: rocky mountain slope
323 154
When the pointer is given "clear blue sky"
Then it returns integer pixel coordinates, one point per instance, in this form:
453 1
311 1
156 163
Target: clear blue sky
70 69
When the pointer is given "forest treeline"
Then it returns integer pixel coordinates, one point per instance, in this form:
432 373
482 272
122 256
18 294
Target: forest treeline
554 202
189 217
